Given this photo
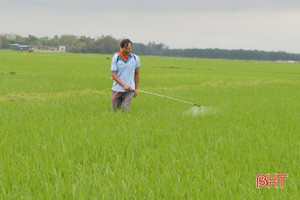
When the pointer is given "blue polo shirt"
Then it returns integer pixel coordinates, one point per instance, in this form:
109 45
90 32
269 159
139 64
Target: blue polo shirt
125 70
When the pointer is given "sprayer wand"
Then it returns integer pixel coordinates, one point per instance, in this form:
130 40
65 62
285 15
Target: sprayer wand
159 95
163 96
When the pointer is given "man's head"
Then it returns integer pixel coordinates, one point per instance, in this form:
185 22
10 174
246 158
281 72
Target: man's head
126 46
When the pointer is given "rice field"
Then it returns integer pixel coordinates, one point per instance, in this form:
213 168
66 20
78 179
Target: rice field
60 139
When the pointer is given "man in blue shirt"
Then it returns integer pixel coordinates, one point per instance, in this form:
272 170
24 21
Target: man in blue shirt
125 71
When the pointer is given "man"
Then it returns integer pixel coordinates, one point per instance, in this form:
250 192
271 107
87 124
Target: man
125 71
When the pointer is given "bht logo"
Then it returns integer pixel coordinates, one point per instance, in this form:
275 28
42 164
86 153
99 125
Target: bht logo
263 181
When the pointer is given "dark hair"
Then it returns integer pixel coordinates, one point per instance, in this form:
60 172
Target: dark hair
125 43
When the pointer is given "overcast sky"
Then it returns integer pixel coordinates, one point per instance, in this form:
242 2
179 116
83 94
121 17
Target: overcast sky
272 25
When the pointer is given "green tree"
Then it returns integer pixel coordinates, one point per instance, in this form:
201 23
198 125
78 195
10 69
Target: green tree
68 40
44 41
78 47
54 42
108 44
20 40
4 42
32 39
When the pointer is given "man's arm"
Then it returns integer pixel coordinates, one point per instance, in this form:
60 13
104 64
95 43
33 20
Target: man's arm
118 80
136 80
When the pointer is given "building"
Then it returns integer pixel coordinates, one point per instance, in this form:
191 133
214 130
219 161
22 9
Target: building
18 47
56 49
62 48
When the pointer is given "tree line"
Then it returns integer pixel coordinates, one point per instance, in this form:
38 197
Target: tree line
110 45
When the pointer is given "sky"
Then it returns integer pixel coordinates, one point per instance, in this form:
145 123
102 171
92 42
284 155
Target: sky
270 25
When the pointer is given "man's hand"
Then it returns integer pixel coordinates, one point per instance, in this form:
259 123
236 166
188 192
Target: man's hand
135 93
127 87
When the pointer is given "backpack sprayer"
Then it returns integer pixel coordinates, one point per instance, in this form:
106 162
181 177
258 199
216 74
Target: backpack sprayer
159 95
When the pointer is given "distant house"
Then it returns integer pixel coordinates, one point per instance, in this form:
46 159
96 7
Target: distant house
47 48
18 47
34 48
287 61
62 48
58 49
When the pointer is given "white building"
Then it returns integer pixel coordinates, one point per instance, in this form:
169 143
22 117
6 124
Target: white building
62 49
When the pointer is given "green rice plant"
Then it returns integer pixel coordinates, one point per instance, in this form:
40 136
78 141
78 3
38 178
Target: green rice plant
60 139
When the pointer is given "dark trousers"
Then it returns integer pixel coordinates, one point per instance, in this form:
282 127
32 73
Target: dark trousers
122 97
